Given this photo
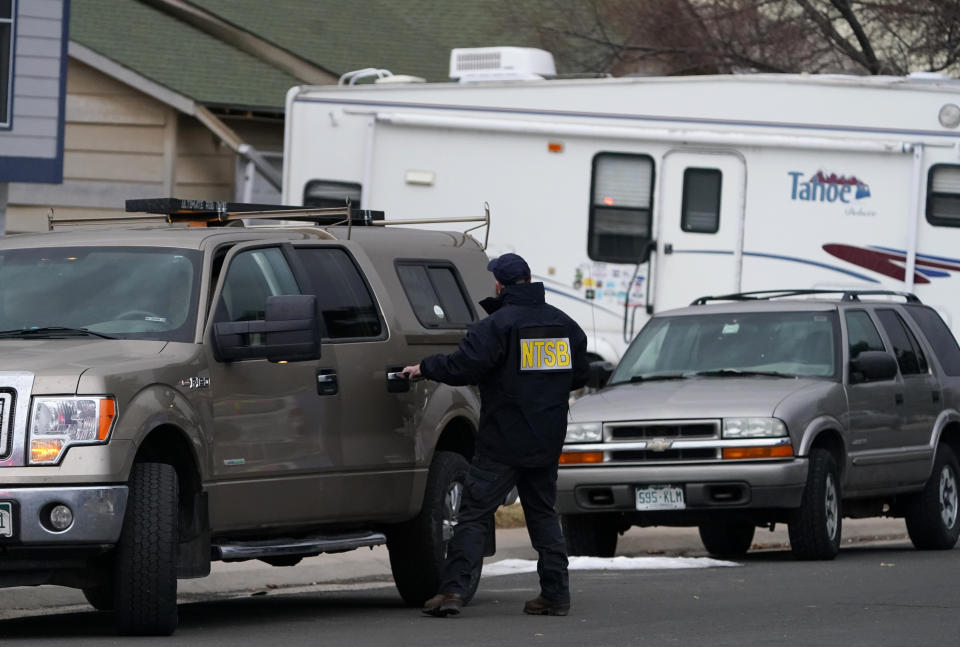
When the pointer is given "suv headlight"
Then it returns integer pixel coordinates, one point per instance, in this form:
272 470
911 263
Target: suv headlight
584 432
58 423
753 428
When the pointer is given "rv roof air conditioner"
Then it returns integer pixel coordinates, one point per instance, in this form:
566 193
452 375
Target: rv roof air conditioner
472 64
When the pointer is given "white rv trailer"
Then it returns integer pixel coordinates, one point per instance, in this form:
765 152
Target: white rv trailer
634 195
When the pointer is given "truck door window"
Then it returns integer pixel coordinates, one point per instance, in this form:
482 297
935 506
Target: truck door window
700 210
943 195
942 341
253 276
436 294
322 194
345 301
861 333
620 207
905 346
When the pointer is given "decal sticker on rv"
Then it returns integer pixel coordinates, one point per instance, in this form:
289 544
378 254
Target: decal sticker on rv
893 262
827 187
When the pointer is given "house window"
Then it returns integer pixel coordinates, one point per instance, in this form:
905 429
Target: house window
6 60
700 212
436 294
943 195
323 194
620 201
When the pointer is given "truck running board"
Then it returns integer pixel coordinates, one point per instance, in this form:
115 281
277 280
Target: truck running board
303 547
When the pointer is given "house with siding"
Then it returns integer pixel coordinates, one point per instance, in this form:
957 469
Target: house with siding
185 98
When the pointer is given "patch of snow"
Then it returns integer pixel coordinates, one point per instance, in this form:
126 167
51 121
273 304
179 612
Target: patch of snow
512 566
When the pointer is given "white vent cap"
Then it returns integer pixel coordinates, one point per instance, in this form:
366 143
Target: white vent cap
500 64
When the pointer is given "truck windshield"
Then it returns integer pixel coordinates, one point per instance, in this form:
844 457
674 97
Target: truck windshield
787 344
122 292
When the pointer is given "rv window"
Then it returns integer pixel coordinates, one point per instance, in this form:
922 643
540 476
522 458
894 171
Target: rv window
700 213
622 187
943 195
435 293
322 194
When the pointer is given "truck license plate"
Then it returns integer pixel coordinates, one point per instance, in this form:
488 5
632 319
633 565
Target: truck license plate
660 497
6 519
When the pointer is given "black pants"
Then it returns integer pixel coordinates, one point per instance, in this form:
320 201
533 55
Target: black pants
487 484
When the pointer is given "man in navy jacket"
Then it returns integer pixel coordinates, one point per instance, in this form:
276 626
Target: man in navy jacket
526 357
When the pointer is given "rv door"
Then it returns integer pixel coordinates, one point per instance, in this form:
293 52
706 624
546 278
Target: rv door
699 227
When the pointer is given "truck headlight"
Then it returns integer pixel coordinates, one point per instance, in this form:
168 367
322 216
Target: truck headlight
584 432
58 423
753 428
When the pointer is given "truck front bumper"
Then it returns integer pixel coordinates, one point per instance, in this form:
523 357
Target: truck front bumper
97 515
768 484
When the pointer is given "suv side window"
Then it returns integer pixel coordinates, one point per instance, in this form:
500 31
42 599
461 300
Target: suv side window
905 346
861 333
942 341
345 301
253 276
436 294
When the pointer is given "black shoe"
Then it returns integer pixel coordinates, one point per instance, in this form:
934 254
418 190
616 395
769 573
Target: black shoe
541 606
443 604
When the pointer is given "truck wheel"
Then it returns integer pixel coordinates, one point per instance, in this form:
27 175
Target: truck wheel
727 538
592 535
418 547
932 513
145 582
816 525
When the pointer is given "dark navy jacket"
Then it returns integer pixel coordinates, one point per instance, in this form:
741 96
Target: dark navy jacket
526 357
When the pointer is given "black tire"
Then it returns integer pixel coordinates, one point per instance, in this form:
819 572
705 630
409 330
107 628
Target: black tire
591 535
418 547
816 526
727 538
145 582
931 517
100 597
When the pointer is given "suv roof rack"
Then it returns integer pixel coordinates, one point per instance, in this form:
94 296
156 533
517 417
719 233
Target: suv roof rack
218 213
847 295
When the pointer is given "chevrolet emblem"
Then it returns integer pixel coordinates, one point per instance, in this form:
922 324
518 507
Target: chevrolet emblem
659 444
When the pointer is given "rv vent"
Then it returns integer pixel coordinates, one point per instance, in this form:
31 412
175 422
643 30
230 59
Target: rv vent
500 64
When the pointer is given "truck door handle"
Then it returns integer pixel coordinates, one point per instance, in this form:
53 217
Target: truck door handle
327 383
898 398
397 382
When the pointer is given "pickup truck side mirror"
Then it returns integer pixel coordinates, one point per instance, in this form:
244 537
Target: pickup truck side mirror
599 374
290 332
872 366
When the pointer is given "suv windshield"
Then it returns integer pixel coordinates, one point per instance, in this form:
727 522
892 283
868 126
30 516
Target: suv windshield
122 292
789 344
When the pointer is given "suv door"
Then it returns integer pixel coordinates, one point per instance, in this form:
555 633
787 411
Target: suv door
873 414
378 445
275 430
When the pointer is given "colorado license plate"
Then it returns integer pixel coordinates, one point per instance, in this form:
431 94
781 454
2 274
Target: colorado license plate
660 497
6 519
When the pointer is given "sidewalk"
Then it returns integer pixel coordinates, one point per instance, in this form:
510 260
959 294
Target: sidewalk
371 567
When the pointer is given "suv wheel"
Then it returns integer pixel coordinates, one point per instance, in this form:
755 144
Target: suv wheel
727 538
592 535
816 525
145 571
418 547
932 513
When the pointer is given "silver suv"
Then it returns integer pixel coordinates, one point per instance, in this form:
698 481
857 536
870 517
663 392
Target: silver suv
174 394
799 407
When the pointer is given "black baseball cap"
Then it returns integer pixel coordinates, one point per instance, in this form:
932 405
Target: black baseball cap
509 269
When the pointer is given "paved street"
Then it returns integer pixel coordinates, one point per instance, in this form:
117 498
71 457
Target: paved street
879 591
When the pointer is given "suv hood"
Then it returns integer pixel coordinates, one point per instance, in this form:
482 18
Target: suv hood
68 358
696 397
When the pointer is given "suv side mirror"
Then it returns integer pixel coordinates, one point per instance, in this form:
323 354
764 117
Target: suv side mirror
289 333
599 374
873 365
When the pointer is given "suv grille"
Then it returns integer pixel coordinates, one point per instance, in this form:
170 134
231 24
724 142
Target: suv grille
633 431
7 401
661 441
